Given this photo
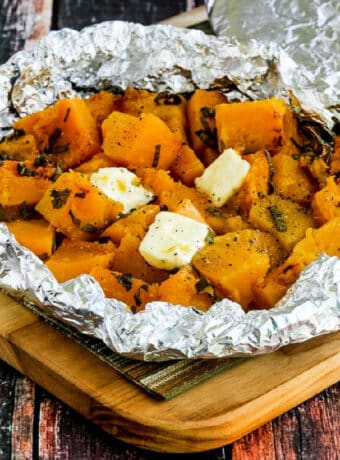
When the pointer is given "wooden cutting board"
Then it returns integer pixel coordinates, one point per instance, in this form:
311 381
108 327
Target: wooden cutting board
213 413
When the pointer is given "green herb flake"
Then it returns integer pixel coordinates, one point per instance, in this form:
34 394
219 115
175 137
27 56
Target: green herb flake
41 160
59 197
209 239
204 286
80 195
67 114
25 211
156 156
278 218
24 171
87 228
214 211
137 295
125 279
53 139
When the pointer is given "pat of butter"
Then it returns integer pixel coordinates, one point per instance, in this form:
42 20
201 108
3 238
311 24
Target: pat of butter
223 177
123 186
172 240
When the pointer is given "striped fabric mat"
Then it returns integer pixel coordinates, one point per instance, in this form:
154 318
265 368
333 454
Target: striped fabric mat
162 380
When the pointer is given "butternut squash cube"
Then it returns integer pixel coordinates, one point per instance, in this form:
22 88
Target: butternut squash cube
186 288
101 104
234 263
283 218
324 239
139 142
256 125
291 181
74 258
65 132
326 202
201 119
136 223
36 235
21 186
134 292
97 161
77 208
187 166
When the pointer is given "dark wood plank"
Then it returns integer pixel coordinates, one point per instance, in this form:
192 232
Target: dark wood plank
7 388
80 14
22 22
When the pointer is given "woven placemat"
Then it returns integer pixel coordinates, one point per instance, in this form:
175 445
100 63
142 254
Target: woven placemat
162 380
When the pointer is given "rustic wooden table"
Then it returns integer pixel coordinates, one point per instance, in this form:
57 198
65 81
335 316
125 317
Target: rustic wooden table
34 424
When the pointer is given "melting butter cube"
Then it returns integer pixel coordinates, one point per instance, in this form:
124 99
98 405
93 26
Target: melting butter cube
223 177
172 240
123 186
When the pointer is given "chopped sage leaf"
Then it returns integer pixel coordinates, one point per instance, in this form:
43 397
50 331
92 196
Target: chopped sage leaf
59 197
156 156
125 279
278 218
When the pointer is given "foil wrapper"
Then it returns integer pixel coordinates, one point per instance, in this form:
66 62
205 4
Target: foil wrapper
306 31
115 55
162 331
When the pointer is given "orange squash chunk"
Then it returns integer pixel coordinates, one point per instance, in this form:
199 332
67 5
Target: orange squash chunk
187 166
255 184
19 147
134 292
97 161
129 260
292 181
324 239
136 224
234 263
201 119
74 258
169 108
77 208
36 235
256 125
21 186
186 208
139 142
65 132
326 202
186 288
102 104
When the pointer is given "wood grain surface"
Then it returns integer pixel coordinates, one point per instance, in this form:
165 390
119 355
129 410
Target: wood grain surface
34 424
218 411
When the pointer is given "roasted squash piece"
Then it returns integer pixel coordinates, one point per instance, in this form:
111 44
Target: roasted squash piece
77 208
256 125
103 103
139 141
136 223
256 184
129 260
19 146
187 208
187 166
233 263
97 161
324 239
201 119
65 132
21 186
134 292
186 288
292 181
326 202
169 108
74 258
36 235
283 218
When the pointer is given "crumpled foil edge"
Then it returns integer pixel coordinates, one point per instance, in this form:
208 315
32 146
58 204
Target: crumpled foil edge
163 331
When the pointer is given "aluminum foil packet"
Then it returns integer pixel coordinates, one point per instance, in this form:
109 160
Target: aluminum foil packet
161 58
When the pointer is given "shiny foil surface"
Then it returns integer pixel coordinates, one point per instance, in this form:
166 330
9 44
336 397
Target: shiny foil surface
308 31
161 58
162 331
